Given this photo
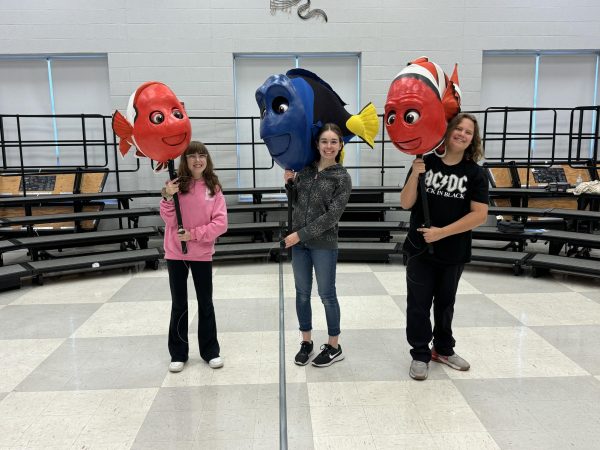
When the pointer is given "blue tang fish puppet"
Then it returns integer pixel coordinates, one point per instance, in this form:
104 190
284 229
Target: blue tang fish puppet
294 107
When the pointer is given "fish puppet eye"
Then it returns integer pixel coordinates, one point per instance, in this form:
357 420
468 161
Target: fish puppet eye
280 105
157 117
411 116
177 114
391 118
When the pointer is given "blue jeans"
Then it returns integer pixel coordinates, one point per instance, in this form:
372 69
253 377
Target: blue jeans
324 262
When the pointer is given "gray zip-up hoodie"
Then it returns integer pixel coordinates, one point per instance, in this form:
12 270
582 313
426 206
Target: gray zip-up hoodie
320 200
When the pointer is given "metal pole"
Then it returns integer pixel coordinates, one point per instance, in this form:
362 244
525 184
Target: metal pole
283 443
180 230
21 156
84 136
382 153
2 145
425 206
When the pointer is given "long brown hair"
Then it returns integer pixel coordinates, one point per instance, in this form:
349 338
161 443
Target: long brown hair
330 126
474 152
208 175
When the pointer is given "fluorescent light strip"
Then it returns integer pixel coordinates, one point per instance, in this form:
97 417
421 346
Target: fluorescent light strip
237 127
594 102
535 99
53 109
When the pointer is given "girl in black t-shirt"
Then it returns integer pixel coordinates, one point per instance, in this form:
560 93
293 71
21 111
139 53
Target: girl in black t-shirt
457 194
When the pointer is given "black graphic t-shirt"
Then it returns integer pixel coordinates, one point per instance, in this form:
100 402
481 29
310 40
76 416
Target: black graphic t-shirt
450 190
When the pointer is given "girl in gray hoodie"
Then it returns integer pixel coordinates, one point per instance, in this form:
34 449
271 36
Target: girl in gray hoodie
322 190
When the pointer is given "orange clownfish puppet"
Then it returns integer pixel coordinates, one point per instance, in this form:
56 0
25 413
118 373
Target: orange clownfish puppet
421 101
156 124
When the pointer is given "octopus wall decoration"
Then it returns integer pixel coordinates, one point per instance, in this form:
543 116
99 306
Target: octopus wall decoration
304 11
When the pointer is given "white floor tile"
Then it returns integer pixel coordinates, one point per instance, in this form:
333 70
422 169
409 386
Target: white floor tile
329 421
394 419
89 289
345 442
353 268
160 273
560 308
57 430
578 284
463 441
25 404
111 431
126 402
333 394
131 319
251 286
393 282
509 352
450 419
195 373
408 441
19 357
72 403
364 312
344 406
375 393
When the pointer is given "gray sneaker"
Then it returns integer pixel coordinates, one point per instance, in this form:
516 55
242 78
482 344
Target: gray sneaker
454 361
418 370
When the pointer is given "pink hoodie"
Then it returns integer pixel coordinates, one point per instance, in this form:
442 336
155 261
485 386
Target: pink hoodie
204 216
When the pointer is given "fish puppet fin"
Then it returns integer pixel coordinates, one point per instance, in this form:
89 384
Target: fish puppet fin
161 166
365 124
124 130
452 96
419 60
307 74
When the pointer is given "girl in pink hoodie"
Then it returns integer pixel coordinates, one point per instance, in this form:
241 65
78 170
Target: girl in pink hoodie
204 216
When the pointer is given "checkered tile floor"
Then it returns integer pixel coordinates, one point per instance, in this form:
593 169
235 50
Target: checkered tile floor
84 366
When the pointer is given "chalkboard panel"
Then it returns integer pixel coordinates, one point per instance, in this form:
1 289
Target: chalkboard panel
38 183
549 175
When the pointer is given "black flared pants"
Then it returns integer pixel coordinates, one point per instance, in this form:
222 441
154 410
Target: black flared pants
207 325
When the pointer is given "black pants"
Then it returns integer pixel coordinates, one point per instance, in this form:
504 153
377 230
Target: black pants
430 283
207 325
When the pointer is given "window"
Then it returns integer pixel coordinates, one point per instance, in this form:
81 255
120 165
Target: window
48 85
541 79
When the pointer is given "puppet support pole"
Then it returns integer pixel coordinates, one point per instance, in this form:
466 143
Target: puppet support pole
290 190
283 438
180 228
425 205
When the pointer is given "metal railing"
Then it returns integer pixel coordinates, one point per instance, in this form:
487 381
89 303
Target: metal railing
497 127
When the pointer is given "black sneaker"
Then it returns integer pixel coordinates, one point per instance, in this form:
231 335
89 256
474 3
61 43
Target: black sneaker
306 351
328 356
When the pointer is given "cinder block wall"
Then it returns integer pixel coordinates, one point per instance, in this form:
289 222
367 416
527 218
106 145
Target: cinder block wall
189 44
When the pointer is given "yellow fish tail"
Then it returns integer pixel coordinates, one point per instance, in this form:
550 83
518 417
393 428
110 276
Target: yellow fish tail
365 124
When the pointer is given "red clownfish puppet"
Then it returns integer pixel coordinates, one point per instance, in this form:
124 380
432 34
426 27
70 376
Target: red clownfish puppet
156 124
420 103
